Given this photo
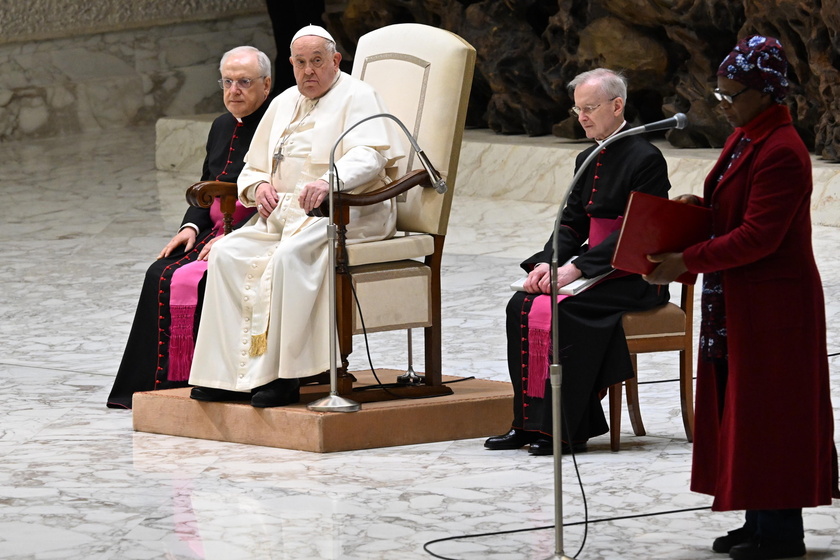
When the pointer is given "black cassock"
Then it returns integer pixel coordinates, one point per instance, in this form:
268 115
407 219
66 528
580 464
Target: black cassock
144 365
593 349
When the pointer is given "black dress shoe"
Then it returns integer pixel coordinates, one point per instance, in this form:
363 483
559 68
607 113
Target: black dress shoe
280 392
542 446
209 394
732 538
763 548
545 446
514 439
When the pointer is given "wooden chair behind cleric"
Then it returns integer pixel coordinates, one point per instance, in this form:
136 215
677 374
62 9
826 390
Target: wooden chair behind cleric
424 74
666 328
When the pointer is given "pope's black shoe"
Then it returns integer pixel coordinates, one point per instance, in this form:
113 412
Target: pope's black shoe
763 548
209 394
280 392
514 439
545 446
732 538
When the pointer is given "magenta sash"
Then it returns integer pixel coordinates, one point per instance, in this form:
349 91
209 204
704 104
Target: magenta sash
539 317
183 297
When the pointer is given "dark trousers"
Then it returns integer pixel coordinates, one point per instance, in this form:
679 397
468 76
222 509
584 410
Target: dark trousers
777 524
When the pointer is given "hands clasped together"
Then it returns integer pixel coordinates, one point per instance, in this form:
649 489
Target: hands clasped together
311 196
539 279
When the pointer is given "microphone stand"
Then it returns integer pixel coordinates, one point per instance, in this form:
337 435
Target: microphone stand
335 402
556 369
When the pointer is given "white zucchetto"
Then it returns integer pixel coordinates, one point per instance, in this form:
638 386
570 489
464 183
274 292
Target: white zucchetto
316 30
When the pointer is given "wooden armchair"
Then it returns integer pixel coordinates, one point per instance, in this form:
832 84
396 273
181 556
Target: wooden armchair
424 75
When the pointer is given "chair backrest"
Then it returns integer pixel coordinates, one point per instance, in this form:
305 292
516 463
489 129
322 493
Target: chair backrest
424 75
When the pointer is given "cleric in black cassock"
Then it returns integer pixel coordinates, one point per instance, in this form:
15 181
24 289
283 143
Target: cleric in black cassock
145 364
593 349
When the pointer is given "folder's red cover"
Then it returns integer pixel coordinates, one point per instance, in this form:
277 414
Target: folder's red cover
653 224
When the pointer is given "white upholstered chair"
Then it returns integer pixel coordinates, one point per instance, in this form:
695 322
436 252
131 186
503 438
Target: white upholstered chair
424 75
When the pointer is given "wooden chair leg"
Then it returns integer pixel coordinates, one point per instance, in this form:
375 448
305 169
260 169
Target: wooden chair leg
632 388
687 392
615 416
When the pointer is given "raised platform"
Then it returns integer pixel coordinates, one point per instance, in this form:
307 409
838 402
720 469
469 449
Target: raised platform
477 408
493 166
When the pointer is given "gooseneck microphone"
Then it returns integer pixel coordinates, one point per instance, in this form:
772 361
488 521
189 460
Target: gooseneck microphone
335 402
437 181
555 368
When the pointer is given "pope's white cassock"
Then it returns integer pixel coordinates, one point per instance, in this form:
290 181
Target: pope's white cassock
266 305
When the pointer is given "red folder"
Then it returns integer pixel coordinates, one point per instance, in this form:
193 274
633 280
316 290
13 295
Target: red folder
653 224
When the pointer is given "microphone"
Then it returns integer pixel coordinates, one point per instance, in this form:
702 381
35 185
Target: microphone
437 181
677 121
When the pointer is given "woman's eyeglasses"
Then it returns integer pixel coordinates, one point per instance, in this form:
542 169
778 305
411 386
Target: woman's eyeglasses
720 96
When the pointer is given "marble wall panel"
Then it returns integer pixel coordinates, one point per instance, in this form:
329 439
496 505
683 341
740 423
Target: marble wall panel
177 144
46 19
120 78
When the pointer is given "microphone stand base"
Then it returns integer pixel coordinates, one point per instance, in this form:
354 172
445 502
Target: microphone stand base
411 378
334 403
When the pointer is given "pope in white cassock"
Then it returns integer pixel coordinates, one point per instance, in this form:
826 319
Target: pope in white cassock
266 321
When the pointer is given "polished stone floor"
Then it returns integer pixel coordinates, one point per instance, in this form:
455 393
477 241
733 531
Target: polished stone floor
82 218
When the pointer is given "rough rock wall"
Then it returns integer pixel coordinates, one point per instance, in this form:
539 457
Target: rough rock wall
668 49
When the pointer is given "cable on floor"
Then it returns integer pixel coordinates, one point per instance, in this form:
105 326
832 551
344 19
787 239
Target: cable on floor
572 524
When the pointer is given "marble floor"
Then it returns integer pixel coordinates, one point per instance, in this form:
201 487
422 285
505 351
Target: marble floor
84 216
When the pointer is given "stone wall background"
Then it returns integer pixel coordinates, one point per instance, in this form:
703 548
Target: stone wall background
74 65
669 50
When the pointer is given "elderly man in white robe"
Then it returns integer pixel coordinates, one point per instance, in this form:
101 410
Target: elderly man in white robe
266 306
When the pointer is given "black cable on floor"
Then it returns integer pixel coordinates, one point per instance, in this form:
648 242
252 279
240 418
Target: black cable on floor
586 522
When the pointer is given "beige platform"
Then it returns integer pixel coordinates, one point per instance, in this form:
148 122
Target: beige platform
477 408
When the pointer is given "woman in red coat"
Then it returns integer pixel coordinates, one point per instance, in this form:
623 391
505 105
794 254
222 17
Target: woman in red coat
764 435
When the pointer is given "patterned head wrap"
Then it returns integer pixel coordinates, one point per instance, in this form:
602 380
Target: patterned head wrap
759 63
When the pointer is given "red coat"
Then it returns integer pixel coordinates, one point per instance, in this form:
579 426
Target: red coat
771 444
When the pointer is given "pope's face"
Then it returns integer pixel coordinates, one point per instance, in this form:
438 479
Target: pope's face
314 67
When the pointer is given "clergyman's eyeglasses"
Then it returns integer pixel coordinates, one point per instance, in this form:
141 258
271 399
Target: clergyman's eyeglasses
244 83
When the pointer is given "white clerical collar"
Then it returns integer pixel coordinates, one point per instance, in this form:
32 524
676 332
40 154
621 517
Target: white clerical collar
616 131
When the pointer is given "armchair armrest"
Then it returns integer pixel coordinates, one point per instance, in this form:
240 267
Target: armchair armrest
202 195
417 177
